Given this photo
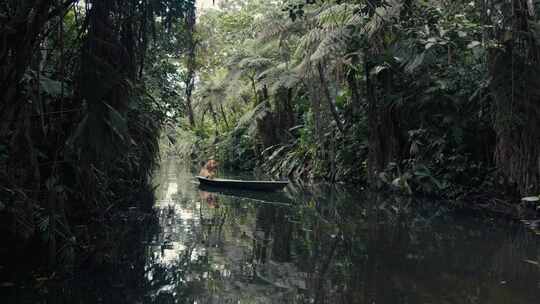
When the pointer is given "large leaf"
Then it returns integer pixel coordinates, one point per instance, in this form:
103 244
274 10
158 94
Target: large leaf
51 87
414 64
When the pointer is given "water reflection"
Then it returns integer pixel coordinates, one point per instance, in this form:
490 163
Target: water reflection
317 245
328 246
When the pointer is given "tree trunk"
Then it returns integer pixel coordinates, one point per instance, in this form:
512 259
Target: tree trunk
223 115
214 118
283 113
515 73
328 97
384 137
352 81
190 21
316 108
254 88
375 164
517 121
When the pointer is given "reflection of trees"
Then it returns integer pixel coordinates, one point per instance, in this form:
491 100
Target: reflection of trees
384 251
187 277
272 222
180 282
329 246
213 224
114 272
338 247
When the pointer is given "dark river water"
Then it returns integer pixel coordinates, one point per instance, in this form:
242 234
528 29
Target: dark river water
317 245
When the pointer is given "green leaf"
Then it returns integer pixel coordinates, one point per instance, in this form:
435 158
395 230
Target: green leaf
473 44
78 132
49 86
412 66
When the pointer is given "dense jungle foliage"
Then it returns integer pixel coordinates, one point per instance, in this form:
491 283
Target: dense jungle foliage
430 97
81 109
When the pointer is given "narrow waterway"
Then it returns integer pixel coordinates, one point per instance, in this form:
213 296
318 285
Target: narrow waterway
316 245
331 246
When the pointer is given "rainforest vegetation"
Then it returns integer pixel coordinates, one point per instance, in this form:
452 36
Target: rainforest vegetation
431 98
80 121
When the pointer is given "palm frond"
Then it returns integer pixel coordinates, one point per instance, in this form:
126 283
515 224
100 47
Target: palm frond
337 16
382 17
333 44
309 42
248 121
254 63
279 77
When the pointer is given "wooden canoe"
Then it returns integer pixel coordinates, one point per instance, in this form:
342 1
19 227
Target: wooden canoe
276 197
243 184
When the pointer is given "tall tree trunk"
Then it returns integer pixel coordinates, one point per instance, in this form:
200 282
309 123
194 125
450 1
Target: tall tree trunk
384 137
328 97
189 81
254 89
516 76
222 111
375 164
105 67
283 112
352 81
316 108
214 118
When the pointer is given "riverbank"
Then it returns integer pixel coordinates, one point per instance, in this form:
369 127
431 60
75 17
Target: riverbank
488 195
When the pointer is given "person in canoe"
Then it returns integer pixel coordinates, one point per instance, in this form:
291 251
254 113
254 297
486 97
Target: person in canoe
209 170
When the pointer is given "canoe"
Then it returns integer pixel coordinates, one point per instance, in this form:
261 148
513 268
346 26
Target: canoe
275 197
243 184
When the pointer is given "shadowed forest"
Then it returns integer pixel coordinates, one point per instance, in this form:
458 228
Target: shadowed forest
399 123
